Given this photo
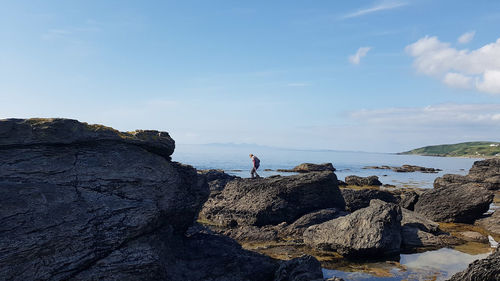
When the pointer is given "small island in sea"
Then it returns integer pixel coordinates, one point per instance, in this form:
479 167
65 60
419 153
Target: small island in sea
464 149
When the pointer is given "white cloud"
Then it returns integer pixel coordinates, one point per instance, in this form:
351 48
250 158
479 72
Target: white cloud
466 37
458 68
356 58
458 80
385 5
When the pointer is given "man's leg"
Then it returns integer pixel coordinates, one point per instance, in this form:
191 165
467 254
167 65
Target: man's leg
252 172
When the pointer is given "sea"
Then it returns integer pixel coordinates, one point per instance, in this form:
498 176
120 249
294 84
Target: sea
430 265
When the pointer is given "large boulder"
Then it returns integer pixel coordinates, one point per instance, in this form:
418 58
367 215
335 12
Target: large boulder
487 269
356 199
454 203
484 173
297 228
86 202
310 167
370 232
273 200
362 181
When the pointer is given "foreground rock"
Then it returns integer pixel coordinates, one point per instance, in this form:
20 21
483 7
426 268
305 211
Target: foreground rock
362 181
85 202
309 167
371 232
454 203
487 269
305 268
273 200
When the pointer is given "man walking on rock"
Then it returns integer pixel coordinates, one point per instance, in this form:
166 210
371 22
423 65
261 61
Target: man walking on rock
256 164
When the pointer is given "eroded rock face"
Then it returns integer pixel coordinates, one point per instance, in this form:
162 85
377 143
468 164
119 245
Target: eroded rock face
297 228
305 268
454 203
487 269
270 201
84 202
484 173
491 223
362 181
370 232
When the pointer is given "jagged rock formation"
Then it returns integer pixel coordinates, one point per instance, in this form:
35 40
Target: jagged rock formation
309 167
362 181
356 199
217 180
297 228
86 202
487 269
484 173
273 200
454 203
370 232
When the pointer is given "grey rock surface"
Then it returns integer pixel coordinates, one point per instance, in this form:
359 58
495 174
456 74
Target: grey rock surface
310 167
371 232
271 201
484 173
356 199
491 222
297 228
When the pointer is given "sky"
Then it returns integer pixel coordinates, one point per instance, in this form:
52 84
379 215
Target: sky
380 76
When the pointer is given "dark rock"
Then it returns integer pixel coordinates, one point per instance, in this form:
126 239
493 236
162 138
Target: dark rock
297 228
413 168
484 173
86 202
216 179
273 200
362 181
250 233
454 203
304 268
491 222
356 199
487 269
309 167
342 183
370 232
57 131
408 199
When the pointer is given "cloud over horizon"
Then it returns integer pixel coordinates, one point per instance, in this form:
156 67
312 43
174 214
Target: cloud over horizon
477 69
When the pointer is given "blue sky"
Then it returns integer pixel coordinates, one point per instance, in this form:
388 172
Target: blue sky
380 76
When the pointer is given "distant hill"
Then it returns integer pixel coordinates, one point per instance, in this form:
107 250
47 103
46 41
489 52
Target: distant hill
473 149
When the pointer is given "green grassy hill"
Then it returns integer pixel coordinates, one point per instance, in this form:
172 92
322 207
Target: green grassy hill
474 149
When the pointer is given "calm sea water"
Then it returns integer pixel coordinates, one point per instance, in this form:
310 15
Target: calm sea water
234 160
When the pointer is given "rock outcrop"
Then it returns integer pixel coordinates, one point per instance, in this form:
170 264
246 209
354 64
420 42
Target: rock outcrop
273 200
297 228
86 202
305 268
309 167
356 199
484 173
362 181
454 203
370 232
487 269
405 169
491 222
217 179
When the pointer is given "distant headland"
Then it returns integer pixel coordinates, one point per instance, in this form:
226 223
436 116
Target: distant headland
464 149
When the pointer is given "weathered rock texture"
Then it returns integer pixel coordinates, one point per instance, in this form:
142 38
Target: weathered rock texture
297 228
362 181
356 199
86 202
487 269
491 223
370 232
270 201
309 167
217 179
484 173
305 268
454 203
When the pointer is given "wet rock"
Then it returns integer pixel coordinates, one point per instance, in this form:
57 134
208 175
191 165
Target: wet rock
273 200
454 203
491 223
370 232
362 181
309 167
304 268
297 228
356 199
485 270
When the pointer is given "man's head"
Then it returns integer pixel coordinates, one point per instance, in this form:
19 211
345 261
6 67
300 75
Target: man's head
251 155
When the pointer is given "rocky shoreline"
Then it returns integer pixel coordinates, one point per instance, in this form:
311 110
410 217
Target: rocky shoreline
87 202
